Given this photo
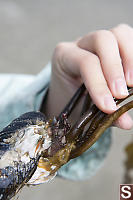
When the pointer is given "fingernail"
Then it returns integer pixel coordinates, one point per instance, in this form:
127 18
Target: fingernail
109 103
130 77
120 87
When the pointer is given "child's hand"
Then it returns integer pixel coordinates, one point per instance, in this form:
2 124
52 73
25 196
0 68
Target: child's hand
103 60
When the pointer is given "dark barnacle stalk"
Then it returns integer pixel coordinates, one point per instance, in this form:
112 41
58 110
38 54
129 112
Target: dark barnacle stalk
99 123
78 140
105 122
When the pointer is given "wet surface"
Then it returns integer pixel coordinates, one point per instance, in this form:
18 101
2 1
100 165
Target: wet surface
29 31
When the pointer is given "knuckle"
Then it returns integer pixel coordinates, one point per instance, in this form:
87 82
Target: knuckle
100 36
123 26
82 61
85 59
58 52
95 59
120 28
60 47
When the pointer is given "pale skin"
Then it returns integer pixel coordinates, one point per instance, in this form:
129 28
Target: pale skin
103 61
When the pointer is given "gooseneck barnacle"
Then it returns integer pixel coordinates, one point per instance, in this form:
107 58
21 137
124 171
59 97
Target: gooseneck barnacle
33 148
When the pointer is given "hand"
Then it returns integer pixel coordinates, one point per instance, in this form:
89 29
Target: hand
103 60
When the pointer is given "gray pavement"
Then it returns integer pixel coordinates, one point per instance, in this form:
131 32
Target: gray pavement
29 31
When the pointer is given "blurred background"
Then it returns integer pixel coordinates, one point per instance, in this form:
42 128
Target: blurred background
29 32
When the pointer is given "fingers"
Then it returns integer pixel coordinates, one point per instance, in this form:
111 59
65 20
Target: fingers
93 77
106 47
99 91
87 65
114 51
124 35
104 61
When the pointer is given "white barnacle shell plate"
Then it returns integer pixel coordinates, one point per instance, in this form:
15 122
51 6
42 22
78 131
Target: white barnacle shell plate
26 145
40 176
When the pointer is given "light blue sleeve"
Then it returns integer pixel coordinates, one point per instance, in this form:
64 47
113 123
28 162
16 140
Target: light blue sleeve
24 93
21 93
